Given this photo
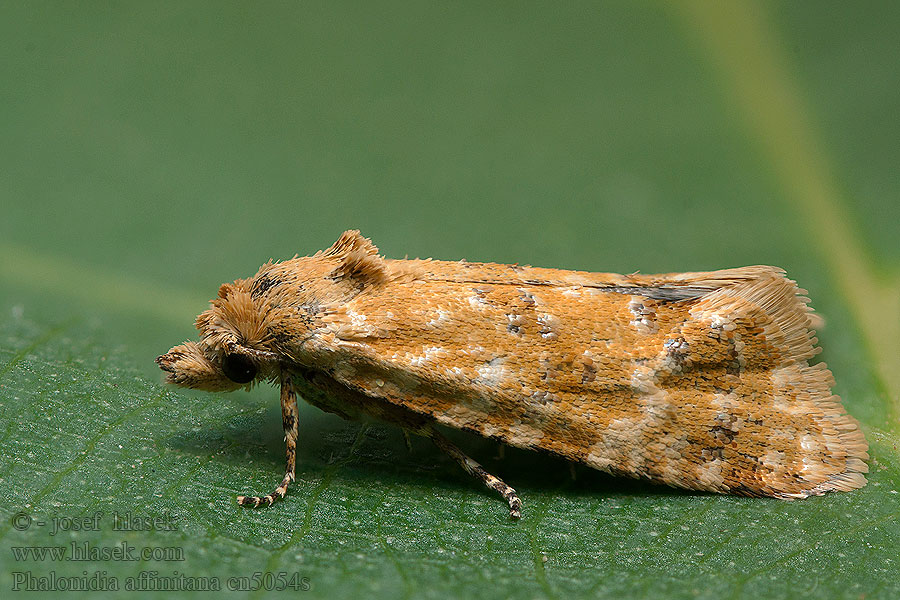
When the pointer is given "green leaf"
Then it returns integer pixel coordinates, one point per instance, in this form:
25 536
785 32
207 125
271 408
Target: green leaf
152 152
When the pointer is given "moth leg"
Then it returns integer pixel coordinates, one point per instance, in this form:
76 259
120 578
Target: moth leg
408 440
477 471
289 420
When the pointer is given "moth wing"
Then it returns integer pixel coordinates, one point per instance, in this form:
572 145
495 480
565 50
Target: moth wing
695 380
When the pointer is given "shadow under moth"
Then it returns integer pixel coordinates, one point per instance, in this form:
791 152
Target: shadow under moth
694 380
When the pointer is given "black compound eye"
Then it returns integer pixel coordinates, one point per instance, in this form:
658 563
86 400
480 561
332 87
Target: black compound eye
238 368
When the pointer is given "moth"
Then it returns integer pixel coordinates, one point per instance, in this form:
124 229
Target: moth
694 380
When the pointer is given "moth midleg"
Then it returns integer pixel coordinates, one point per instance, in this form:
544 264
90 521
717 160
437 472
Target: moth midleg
407 439
289 419
477 471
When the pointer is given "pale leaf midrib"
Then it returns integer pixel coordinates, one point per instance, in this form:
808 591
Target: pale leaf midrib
741 42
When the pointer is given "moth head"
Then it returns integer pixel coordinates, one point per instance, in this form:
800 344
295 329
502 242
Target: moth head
276 313
195 365
232 351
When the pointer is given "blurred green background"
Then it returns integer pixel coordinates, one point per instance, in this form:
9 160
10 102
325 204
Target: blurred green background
151 151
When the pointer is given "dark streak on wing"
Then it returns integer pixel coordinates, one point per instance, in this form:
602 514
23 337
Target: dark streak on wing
664 294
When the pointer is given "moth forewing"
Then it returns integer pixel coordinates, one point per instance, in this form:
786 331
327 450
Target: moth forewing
696 380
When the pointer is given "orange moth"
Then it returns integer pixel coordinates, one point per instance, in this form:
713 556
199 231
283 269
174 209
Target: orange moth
695 380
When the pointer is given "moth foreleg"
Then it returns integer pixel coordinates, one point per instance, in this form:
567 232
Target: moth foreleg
477 471
289 420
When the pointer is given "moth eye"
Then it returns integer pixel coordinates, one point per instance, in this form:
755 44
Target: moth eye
239 368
